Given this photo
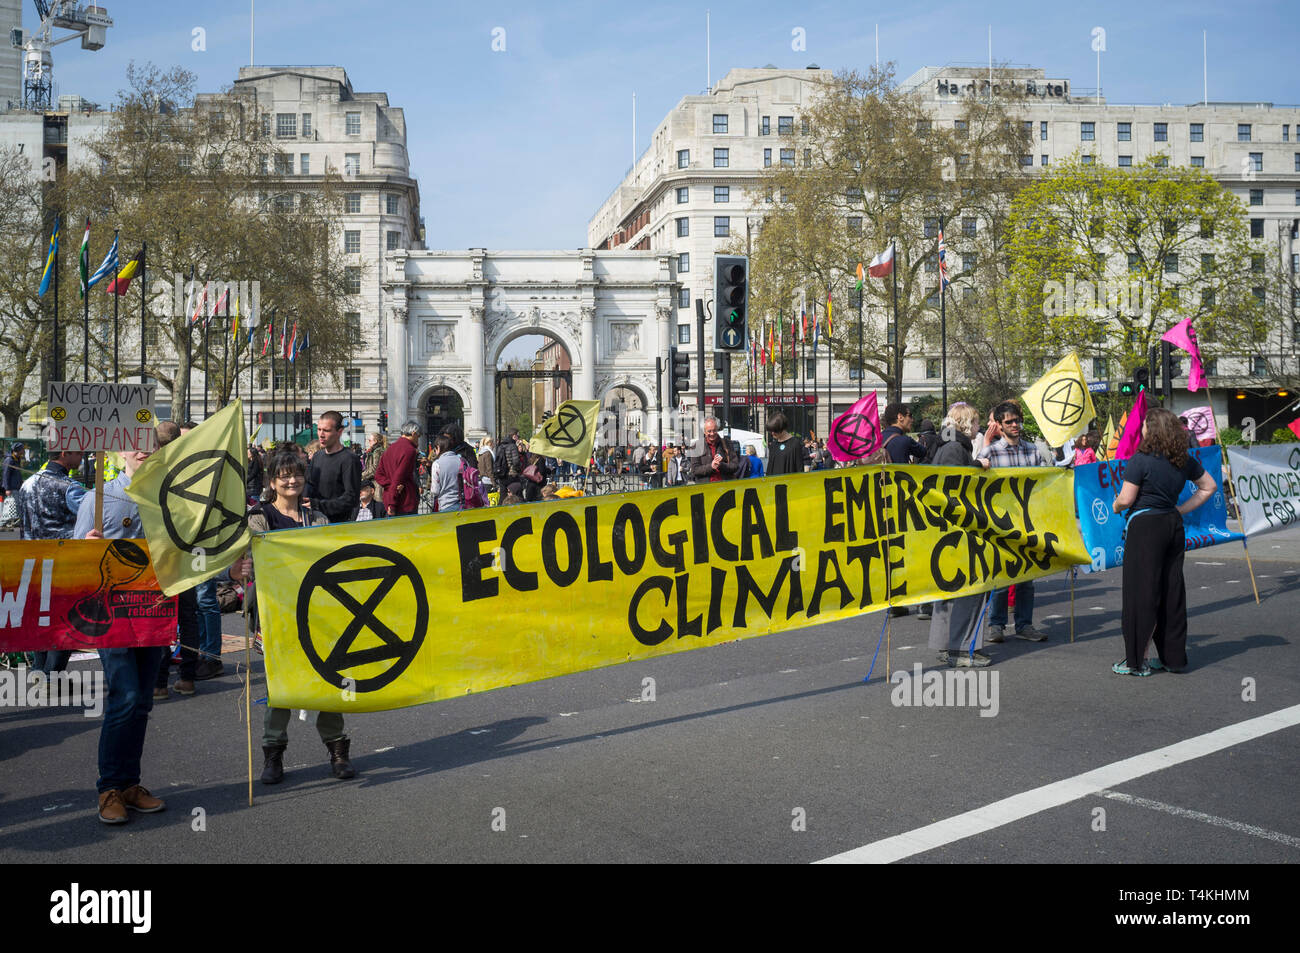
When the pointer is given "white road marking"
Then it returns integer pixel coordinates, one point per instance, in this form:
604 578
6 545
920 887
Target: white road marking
566 714
787 671
1028 803
1263 832
480 731
382 750
1211 564
1233 580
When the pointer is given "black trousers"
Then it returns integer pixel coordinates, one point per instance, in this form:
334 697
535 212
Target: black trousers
1155 597
187 618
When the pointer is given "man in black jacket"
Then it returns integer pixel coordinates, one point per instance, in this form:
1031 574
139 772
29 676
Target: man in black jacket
713 458
334 480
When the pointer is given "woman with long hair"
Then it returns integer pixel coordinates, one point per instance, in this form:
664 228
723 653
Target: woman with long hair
1155 596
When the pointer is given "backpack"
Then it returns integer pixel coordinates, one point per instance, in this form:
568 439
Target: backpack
742 470
500 465
471 487
880 454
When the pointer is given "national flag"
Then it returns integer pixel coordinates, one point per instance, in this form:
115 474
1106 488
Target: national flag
201 306
1060 401
106 268
855 434
219 303
1128 443
234 326
266 342
803 321
85 258
49 260
771 343
882 264
858 286
943 262
284 338
572 419
119 284
289 342
193 489
817 326
829 332
1183 335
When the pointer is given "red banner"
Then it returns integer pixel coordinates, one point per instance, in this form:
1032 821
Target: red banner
82 594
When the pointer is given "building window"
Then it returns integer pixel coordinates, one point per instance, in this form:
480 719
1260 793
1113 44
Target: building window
392 204
1256 228
352 124
1124 131
1125 162
1198 132
1207 298
923 127
804 127
306 124
721 193
266 127
855 373
683 263
1207 262
284 202
1171 263
767 195
785 125
352 280
719 124
683 158
1085 160
1297 161
683 334
968 226
961 126
352 378
1134 262
1243 132
683 195
1029 128
1286 132
931 300
352 321
352 163
787 158
721 158
1297 196
1087 131
931 228
767 158
683 227
1211 367
931 264
304 164
855 224
1162 162
1256 196
807 158
286 125
1042 160
765 126
1295 264
1026 161
683 297
933 368
969 261
1042 131
1258 367
1257 161
1258 293
1257 264
853 195
1162 132
1198 162
352 242
263 379
353 203
963 160
394 241
722 226
283 163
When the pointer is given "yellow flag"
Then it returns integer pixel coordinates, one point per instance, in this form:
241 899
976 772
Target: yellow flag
192 503
234 327
1104 450
569 434
1060 402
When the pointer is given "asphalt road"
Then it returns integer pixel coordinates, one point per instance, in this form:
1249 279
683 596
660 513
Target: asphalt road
768 750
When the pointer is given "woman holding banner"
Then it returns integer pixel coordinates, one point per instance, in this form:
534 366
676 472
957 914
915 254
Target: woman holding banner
286 476
955 623
1155 597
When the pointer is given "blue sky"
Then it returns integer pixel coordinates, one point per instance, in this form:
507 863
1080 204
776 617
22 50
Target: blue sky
517 149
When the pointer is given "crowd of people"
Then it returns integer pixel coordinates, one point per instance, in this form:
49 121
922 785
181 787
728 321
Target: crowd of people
295 487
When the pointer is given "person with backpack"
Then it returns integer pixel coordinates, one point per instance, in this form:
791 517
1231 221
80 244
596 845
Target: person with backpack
898 446
506 465
445 483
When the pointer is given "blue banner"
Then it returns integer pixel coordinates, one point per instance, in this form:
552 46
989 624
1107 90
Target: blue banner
1097 484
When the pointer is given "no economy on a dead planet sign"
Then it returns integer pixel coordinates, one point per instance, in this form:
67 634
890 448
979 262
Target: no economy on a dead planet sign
92 417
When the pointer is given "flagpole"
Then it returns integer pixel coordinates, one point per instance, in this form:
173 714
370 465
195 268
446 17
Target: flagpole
116 271
207 326
189 348
225 353
85 314
943 324
55 375
144 246
862 292
898 344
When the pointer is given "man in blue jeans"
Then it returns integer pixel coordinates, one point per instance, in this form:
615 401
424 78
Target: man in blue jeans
209 632
129 673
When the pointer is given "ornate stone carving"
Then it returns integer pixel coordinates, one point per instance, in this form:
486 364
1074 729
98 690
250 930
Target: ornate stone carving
624 337
440 337
476 315
457 382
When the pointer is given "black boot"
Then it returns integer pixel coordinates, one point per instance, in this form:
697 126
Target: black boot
339 762
273 769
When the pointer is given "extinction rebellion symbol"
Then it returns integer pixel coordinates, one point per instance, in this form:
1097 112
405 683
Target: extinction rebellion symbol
357 579
1063 402
201 478
560 431
855 435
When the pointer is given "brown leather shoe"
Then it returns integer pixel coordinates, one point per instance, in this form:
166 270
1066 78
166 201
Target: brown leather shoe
182 687
112 810
160 693
139 799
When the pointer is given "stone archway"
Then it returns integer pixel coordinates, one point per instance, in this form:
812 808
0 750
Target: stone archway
439 407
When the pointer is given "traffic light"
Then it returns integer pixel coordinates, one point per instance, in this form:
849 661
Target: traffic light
730 302
383 420
679 364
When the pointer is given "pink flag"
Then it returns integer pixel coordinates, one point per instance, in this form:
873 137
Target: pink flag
1128 443
1294 427
1200 421
855 434
1183 335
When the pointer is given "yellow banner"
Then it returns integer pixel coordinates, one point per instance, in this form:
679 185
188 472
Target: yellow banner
1060 401
390 613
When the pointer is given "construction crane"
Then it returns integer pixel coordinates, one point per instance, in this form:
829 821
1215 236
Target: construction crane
89 22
